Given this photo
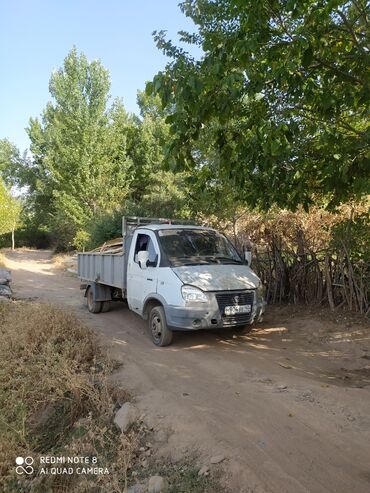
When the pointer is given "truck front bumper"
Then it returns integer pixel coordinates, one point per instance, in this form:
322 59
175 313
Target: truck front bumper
209 317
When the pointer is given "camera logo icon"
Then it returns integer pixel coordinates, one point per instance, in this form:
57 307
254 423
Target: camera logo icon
24 465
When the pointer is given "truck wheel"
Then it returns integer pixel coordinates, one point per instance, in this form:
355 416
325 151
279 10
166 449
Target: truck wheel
243 329
106 306
93 306
161 334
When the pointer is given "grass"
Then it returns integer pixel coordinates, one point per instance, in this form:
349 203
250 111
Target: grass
56 400
59 260
185 479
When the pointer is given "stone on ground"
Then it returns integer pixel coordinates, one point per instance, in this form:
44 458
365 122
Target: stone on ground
5 276
217 459
157 484
126 416
203 471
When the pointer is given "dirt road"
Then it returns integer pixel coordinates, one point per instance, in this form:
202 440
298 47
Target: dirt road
288 406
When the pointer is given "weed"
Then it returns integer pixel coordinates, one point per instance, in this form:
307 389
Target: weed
56 400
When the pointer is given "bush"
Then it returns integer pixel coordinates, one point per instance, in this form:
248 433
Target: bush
25 237
105 227
81 240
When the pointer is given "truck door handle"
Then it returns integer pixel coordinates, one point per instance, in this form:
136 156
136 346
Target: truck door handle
149 279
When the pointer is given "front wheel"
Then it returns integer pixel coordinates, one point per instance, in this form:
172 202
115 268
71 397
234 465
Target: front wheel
161 334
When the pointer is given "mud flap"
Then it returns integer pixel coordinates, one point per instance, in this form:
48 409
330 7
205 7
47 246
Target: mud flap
100 292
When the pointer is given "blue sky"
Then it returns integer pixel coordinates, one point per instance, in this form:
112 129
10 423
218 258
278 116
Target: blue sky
36 35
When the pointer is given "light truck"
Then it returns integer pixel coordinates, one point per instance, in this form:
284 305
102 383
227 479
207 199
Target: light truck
178 277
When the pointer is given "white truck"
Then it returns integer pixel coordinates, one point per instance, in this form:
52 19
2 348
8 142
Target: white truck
176 276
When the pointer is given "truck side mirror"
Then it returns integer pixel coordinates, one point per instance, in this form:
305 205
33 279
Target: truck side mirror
248 257
142 258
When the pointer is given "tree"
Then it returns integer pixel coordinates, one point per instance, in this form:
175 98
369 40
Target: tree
146 146
281 92
10 162
76 169
90 160
10 209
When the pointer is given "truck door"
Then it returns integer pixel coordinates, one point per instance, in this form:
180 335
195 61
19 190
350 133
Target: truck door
142 282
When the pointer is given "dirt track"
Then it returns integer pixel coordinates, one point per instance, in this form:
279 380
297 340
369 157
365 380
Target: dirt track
288 405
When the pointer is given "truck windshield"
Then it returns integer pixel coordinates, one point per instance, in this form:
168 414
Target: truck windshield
197 247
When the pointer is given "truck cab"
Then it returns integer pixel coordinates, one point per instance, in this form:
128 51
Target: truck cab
184 277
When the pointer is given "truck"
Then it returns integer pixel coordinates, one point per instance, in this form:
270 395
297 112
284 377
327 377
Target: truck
176 275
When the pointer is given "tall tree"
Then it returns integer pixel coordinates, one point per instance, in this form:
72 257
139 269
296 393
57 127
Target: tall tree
153 190
75 168
282 91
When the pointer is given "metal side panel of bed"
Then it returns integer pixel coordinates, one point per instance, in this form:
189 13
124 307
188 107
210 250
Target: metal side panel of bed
104 269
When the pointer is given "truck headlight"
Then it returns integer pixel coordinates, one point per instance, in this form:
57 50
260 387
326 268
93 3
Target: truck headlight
191 293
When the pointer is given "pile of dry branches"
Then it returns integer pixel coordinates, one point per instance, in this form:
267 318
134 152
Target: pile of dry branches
311 257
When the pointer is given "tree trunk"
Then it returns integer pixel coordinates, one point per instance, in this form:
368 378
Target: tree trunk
13 239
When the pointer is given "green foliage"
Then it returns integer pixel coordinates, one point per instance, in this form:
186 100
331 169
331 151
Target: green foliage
89 159
28 236
10 209
165 196
152 191
105 226
78 166
10 161
281 95
81 240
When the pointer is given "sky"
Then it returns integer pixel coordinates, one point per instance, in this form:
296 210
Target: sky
36 35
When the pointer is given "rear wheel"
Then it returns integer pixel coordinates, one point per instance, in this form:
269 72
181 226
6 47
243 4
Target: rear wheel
161 334
93 306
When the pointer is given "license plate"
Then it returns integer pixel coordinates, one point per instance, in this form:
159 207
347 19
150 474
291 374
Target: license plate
234 310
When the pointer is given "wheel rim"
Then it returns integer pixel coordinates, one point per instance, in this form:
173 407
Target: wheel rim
156 328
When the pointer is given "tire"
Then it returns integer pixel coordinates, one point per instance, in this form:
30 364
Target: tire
93 306
243 329
161 334
106 306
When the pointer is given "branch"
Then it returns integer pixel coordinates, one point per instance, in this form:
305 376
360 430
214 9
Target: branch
350 29
339 122
337 70
280 22
362 11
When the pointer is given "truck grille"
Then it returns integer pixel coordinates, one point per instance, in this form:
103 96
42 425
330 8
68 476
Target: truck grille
235 299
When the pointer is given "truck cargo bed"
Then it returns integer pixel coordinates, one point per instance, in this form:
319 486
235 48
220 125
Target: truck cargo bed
109 269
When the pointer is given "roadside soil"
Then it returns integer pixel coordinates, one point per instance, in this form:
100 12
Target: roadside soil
287 405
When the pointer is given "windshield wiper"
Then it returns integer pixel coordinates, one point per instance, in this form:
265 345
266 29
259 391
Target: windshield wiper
187 261
228 259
